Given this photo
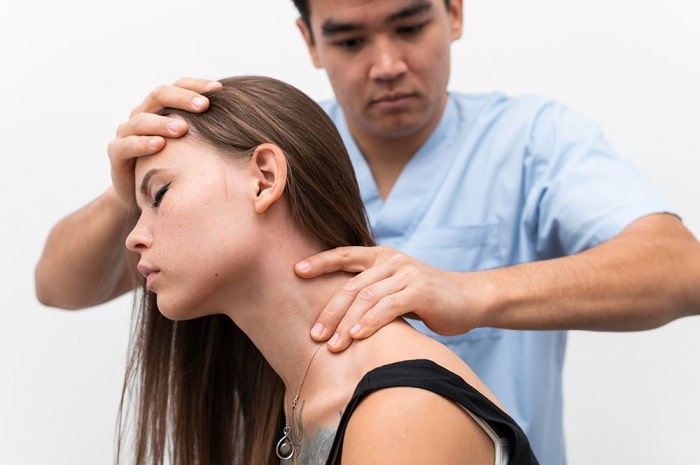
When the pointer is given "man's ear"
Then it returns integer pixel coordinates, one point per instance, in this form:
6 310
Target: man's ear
456 18
270 169
308 38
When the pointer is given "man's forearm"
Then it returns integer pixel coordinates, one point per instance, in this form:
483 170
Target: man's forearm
643 278
84 261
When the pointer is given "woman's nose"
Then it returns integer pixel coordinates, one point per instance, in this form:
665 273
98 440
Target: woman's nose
140 237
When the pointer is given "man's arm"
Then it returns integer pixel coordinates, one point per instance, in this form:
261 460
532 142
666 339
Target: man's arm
85 261
645 277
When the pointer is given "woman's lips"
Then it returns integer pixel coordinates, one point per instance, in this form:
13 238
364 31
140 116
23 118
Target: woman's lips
149 273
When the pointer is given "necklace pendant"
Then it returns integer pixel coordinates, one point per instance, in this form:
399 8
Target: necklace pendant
285 446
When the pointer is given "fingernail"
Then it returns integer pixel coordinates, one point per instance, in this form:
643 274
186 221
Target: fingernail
153 143
174 126
317 330
355 330
211 85
303 266
334 340
199 101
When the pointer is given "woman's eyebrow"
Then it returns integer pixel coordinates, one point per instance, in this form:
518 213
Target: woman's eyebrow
146 180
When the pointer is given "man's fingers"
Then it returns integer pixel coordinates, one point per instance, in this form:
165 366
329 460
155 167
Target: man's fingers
352 259
382 313
142 135
134 146
185 94
149 124
371 290
197 84
371 319
338 310
145 131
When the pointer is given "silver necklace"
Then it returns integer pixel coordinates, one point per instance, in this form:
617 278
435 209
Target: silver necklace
285 446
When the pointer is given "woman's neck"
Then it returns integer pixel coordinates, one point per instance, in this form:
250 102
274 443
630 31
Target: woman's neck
277 316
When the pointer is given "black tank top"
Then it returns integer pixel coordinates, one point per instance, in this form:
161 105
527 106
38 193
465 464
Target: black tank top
428 375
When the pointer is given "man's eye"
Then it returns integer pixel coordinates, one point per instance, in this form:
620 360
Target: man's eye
159 195
412 29
349 43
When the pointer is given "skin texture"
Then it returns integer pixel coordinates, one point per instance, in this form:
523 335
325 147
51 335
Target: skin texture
599 289
187 263
404 418
389 64
635 281
645 277
316 449
199 210
72 276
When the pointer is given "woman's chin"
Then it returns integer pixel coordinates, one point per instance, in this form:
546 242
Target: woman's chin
171 311
179 312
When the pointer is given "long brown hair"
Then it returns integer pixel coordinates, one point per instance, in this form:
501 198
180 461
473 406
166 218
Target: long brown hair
200 392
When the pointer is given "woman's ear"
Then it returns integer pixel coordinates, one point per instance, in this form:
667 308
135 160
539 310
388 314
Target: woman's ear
270 168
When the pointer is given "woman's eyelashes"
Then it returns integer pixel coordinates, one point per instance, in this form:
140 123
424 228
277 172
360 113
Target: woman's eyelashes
158 197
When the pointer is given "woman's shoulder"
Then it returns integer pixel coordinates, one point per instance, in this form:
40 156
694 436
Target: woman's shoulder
399 347
406 424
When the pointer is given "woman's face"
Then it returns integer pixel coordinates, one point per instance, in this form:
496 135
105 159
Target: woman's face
195 229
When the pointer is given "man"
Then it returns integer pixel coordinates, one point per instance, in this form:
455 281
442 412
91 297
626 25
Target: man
510 213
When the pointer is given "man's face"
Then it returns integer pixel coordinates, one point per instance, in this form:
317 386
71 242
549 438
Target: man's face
388 61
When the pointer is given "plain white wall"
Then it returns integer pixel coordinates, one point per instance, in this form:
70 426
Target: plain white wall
72 70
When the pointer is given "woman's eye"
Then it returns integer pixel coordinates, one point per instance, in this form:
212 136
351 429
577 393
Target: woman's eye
158 197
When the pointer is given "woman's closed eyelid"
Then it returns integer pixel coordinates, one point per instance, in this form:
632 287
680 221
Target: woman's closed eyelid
158 196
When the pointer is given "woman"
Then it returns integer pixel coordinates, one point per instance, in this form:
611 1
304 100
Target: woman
222 368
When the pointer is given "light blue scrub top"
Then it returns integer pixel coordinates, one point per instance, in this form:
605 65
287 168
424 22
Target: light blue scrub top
503 181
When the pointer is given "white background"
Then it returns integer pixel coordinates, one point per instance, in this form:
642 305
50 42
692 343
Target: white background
72 70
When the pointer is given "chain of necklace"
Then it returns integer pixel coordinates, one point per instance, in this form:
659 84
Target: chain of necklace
285 446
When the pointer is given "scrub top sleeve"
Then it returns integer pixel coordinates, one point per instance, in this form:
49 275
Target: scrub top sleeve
580 191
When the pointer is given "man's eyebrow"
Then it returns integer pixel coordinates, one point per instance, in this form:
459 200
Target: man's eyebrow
331 27
416 8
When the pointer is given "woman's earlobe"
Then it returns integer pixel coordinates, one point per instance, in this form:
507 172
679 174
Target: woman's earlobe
270 168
